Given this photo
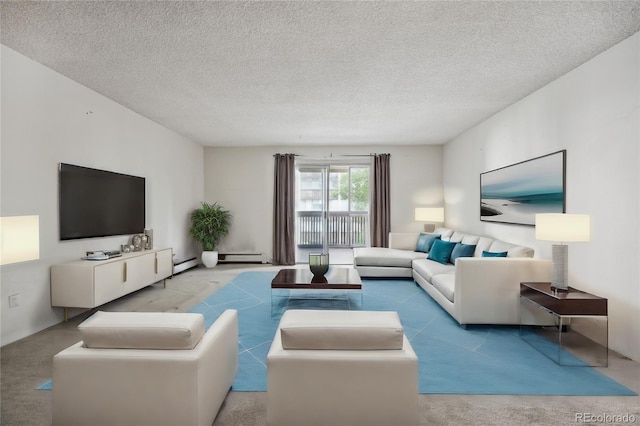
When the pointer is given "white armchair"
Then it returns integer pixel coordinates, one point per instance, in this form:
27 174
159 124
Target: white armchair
341 368
146 369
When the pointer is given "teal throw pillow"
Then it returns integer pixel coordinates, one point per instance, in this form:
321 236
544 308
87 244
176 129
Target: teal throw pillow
441 251
462 250
494 254
425 241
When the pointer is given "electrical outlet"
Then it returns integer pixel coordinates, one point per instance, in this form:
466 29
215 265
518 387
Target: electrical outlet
14 300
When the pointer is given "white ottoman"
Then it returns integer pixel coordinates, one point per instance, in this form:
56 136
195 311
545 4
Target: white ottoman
341 368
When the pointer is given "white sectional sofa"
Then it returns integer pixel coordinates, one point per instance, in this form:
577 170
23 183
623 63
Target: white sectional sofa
474 290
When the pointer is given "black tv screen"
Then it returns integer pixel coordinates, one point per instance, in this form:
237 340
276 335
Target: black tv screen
99 203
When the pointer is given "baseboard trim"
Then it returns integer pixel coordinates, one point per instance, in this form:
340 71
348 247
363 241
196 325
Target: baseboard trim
183 265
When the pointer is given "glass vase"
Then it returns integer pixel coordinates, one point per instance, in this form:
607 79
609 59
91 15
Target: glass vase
319 263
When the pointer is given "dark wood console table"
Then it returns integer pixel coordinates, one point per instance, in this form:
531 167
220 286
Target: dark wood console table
570 309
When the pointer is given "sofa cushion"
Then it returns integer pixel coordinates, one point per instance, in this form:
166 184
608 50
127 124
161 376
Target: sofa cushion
483 244
457 236
471 240
445 284
511 249
461 250
341 330
425 241
142 330
403 240
494 254
441 251
382 256
445 233
428 268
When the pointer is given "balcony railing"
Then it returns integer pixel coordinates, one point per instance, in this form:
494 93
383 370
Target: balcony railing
345 229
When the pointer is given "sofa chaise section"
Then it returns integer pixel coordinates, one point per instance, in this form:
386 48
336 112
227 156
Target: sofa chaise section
394 261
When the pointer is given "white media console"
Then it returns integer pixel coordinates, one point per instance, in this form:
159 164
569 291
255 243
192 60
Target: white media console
91 283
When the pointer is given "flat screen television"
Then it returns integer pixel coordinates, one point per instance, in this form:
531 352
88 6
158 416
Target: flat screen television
99 203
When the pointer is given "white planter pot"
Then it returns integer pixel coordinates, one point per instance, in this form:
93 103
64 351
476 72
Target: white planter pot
210 258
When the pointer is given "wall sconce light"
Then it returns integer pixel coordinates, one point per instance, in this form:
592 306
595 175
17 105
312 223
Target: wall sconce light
19 239
562 227
432 215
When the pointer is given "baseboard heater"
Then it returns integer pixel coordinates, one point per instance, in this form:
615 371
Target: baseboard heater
183 265
241 258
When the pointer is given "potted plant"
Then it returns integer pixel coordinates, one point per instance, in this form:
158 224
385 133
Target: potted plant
209 224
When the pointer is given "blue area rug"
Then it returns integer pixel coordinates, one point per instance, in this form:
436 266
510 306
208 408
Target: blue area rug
490 360
48 385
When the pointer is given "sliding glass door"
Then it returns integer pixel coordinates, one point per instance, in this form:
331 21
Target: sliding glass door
332 203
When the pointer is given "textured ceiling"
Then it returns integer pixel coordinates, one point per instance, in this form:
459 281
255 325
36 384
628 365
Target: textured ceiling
316 73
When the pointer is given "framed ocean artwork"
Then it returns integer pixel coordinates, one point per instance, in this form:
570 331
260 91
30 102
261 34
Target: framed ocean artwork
516 193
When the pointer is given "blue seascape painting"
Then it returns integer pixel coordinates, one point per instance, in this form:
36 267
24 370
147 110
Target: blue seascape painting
516 193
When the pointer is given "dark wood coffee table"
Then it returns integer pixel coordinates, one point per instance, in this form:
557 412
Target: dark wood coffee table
302 281
334 279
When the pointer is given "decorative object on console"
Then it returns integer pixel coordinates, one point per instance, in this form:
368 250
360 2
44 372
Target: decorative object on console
209 224
149 234
562 228
20 239
102 254
136 241
125 248
515 193
432 215
318 264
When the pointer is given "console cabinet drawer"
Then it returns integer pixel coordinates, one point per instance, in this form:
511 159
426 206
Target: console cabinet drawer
108 282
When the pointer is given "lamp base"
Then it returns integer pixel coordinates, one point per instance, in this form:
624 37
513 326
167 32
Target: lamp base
429 227
560 256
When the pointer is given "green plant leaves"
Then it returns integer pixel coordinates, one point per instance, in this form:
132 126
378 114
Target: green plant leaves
209 224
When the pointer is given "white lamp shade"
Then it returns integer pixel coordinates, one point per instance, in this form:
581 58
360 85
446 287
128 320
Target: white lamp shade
430 214
563 227
19 239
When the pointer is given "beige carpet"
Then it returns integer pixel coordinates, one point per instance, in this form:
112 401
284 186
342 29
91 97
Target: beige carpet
27 363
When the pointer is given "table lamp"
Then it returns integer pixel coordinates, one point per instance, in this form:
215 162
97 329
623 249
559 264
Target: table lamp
19 239
432 215
564 228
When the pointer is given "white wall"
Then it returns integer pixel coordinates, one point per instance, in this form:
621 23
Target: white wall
593 113
45 121
241 180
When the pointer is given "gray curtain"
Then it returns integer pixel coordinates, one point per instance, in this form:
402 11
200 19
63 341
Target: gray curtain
284 250
380 201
